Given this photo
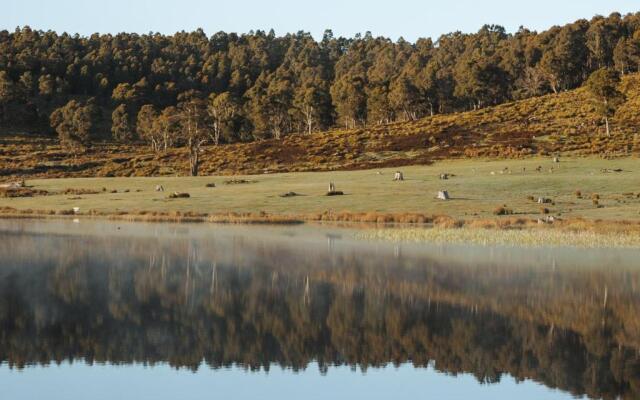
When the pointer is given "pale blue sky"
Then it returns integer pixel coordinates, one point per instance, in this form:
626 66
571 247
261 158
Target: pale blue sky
392 18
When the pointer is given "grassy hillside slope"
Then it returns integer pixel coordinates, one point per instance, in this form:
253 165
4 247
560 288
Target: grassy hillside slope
565 123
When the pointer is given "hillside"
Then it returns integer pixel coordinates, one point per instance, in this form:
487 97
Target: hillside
565 123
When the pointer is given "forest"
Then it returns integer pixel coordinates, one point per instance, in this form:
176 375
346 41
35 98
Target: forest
189 89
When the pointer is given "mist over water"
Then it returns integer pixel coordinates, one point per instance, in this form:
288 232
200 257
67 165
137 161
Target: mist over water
291 312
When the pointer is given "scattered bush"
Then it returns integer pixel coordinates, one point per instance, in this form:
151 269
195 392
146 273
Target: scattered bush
177 195
78 192
65 212
237 182
22 192
502 210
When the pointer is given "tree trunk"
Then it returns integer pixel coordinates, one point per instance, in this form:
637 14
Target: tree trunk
194 161
606 123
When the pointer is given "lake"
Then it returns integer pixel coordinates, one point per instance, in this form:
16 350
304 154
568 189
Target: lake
110 310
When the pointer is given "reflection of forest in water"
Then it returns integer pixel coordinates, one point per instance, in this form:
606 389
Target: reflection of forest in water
233 301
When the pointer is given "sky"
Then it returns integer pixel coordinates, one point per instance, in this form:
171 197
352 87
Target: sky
409 19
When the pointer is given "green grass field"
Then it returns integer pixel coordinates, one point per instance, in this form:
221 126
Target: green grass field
475 191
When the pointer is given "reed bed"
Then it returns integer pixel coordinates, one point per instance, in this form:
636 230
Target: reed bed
543 237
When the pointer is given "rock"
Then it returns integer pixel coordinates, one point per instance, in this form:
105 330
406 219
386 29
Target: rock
13 185
443 195
177 195
289 194
335 193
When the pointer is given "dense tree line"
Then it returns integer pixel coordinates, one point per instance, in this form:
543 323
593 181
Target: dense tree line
258 85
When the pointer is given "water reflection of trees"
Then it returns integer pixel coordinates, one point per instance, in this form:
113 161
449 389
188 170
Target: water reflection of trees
257 304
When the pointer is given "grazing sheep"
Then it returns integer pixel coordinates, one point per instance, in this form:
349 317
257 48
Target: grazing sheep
398 176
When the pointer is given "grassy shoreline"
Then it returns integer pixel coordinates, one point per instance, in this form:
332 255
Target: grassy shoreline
511 231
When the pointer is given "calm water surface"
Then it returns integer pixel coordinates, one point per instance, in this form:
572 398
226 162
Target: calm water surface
108 310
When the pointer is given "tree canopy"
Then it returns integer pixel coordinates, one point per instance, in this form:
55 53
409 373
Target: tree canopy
260 85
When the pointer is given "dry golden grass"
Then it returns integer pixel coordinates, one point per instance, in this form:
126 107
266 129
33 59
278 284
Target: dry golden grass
534 237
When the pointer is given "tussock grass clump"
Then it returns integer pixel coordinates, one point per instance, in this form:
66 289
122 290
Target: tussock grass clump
22 192
210 185
578 194
65 212
78 192
238 182
502 210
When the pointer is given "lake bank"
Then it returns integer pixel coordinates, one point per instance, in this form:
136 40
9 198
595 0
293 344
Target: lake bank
414 228
534 200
